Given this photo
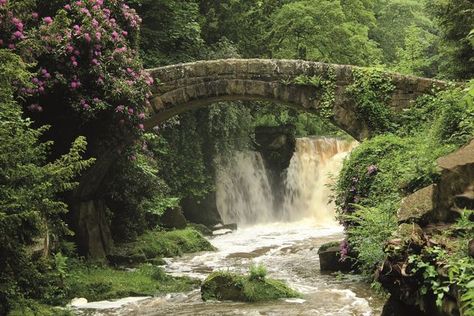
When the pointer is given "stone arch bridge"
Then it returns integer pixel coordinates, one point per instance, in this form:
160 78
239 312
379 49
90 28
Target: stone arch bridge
186 86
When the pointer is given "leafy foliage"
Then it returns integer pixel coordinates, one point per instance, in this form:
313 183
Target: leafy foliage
29 188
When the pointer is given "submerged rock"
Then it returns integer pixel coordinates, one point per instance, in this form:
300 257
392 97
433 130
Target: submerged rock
225 286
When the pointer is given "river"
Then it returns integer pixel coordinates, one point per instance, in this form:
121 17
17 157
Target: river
284 238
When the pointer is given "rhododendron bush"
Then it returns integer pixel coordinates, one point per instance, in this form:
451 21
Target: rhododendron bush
83 55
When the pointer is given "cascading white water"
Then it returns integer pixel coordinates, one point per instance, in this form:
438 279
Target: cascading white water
313 168
244 194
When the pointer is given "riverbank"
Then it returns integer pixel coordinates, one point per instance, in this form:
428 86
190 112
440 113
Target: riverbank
132 270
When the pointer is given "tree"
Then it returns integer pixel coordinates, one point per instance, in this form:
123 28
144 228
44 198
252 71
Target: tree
321 30
29 187
171 32
456 20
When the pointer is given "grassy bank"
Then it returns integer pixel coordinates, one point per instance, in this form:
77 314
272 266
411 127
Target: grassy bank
65 277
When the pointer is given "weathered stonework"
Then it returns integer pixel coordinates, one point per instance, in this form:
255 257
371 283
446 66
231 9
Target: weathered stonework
186 86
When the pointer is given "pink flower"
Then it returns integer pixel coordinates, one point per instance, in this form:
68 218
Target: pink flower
115 35
18 35
3 2
67 7
141 127
124 33
94 62
11 46
87 37
48 20
35 15
98 35
141 116
130 110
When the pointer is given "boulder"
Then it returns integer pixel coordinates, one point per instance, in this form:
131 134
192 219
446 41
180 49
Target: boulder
225 286
411 234
330 259
222 287
173 218
456 182
419 206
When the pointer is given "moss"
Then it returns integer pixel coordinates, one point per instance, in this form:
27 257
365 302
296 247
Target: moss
158 244
99 283
325 89
172 243
230 286
328 245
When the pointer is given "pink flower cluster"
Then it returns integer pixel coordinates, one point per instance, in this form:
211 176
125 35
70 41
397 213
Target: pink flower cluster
91 59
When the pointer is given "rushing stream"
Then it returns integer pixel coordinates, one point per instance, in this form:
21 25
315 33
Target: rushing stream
285 238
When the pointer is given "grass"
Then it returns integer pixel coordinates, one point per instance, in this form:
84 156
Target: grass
171 243
100 283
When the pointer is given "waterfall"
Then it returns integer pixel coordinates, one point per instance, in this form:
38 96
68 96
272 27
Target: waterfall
313 168
244 193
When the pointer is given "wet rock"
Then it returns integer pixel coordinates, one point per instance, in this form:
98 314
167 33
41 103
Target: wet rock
419 206
330 259
173 218
223 231
232 226
222 287
203 229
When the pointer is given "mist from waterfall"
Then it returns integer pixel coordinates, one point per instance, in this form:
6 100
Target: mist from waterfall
244 192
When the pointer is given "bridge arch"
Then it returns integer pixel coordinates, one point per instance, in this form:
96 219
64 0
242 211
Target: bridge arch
192 85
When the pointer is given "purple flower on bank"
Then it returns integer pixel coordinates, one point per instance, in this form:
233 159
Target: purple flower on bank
372 169
343 250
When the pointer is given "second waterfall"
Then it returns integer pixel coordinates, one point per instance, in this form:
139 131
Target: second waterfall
245 197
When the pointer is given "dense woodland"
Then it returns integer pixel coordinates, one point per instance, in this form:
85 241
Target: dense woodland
73 90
